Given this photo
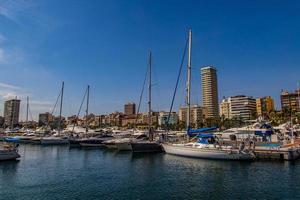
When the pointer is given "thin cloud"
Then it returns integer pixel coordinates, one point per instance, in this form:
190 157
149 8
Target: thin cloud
8 94
9 86
9 91
19 11
6 13
11 9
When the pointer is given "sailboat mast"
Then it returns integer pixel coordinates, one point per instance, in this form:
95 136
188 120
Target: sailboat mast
60 109
87 109
149 96
298 95
27 109
188 98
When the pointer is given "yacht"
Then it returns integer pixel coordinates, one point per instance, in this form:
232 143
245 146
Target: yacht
262 131
125 143
150 145
207 148
119 136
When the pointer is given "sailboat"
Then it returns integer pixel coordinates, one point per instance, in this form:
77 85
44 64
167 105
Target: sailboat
150 145
207 146
75 140
57 140
91 141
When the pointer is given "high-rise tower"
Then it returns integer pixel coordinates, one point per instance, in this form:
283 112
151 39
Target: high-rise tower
11 112
210 91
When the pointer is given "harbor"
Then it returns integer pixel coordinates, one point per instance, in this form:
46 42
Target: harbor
261 148
149 100
258 140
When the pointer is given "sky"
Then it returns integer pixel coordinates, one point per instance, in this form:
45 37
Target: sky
254 45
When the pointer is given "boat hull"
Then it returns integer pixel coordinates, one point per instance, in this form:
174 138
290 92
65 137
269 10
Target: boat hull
8 155
205 153
146 147
54 141
124 146
111 145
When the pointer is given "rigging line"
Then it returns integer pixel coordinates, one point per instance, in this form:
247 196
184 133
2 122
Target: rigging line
56 103
177 82
77 116
54 107
141 95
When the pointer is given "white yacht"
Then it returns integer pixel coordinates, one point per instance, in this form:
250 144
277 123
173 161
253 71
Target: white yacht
261 131
207 148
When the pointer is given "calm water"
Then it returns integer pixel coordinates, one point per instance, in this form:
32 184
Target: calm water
62 173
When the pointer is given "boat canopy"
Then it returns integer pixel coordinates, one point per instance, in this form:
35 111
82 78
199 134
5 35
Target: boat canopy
194 132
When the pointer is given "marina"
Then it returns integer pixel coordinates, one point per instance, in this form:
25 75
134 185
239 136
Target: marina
149 100
205 143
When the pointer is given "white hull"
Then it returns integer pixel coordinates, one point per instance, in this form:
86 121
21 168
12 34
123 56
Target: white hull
205 153
8 155
124 146
54 141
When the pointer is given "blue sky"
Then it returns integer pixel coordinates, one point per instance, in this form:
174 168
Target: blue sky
254 45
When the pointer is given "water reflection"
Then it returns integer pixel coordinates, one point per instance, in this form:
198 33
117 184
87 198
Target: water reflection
9 166
58 172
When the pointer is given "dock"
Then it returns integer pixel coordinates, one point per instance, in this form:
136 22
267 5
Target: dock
287 152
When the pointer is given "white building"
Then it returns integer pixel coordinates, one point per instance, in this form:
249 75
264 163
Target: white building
241 106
